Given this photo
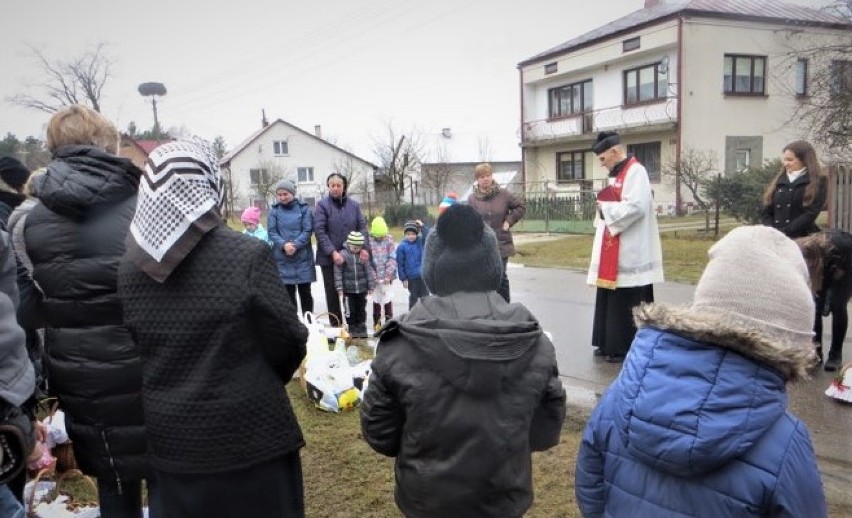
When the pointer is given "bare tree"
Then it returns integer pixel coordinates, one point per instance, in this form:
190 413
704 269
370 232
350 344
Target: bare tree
268 173
78 80
821 64
696 170
437 176
398 156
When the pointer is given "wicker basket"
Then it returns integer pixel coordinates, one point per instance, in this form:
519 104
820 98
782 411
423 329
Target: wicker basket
64 453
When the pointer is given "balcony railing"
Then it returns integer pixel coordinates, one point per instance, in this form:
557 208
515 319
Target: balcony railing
615 118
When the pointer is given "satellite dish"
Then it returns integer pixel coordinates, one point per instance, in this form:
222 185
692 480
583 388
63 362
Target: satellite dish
663 67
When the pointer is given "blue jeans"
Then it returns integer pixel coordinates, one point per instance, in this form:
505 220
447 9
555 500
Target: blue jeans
9 505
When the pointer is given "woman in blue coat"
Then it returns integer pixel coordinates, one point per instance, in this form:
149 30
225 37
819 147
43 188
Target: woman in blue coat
697 424
290 225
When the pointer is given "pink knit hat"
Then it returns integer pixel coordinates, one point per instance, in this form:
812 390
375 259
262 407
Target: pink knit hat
251 215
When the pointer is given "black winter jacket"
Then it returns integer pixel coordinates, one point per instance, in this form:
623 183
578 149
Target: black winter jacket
75 239
220 339
462 389
786 212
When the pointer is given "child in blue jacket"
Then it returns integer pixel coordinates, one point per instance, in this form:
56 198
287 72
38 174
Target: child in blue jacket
409 258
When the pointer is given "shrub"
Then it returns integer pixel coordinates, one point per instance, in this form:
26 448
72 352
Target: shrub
397 215
740 192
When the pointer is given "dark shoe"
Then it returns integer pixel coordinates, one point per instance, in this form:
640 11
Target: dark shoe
833 363
818 348
615 358
598 352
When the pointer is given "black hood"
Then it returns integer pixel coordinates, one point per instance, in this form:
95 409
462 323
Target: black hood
84 179
476 341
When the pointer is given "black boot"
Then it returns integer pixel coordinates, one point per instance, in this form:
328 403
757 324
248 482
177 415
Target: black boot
819 351
835 359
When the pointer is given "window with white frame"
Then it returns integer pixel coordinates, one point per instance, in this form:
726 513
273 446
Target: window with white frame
258 177
644 84
280 147
744 75
742 159
801 77
571 99
305 174
570 166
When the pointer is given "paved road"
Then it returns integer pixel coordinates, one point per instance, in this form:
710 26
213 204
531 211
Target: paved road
564 305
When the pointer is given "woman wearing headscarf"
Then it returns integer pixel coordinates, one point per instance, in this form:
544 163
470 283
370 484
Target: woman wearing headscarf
219 338
75 239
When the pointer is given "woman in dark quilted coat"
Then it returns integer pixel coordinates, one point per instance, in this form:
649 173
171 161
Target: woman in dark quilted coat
220 339
75 239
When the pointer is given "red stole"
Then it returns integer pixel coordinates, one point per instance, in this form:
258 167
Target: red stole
608 266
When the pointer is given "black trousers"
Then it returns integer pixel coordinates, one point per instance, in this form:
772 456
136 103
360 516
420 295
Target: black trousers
613 329
271 489
416 290
332 304
124 504
503 290
357 318
304 295
838 294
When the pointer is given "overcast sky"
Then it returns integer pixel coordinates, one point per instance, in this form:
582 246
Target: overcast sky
352 66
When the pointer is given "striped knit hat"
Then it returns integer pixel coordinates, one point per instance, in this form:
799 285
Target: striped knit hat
449 200
355 238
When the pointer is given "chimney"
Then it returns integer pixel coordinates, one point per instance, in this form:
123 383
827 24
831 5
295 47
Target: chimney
263 122
653 3
318 130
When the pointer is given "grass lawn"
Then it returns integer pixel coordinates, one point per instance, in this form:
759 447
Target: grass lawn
684 255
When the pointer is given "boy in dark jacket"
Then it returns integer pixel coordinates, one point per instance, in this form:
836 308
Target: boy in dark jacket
465 386
409 257
355 280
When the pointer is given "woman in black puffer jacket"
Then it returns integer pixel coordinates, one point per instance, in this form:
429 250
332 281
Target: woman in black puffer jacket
75 238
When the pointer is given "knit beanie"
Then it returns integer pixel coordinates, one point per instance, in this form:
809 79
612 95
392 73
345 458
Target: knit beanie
251 215
13 173
756 278
461 254
450 199
410 226
286 185
355 238
379 228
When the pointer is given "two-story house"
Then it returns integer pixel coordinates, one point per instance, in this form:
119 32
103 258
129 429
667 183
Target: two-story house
281 150
720 77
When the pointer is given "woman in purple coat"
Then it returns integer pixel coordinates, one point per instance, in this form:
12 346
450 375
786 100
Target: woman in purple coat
335 216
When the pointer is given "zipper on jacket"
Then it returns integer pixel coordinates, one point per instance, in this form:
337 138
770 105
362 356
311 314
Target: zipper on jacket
111 461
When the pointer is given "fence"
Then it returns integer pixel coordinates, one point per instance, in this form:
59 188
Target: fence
840 196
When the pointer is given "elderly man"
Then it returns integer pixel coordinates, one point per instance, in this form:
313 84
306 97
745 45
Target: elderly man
626 255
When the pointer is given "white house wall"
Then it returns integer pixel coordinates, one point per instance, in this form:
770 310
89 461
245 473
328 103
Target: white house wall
303 151
709 116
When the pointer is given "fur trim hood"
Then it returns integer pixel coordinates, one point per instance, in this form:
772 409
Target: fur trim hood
726 330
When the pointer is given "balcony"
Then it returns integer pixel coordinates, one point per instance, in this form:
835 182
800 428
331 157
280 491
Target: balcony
653 116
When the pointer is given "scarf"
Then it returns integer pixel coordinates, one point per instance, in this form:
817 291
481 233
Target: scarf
610 244
180 199
484 195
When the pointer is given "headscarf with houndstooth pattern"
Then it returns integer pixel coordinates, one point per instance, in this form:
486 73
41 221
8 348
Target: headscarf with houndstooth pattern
180 198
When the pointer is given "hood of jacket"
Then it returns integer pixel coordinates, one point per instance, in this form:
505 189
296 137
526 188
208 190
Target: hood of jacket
698 392
475 341
83 179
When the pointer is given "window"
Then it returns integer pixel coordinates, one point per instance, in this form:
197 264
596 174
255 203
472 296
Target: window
570 99
570 166
648 154
840 74
644 84
550 68
742 160
745 75
305 174
258 176
801 77
631 44
279 147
